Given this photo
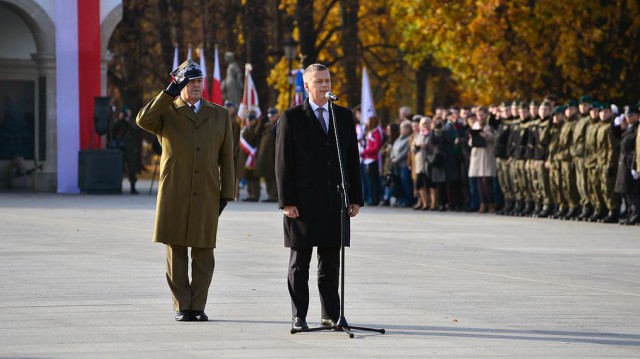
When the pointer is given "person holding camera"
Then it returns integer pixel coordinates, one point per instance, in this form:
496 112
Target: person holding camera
482 164
196 182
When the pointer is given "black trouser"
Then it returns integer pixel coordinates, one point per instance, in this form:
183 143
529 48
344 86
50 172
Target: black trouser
374 183
328 270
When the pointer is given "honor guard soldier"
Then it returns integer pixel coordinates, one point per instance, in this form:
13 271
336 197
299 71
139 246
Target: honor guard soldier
554 163
502 157
608 150
578 153
541 153
569 187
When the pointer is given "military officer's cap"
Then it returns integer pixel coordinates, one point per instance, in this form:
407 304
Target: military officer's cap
229 104
559 109
586 99
189 69
572 103
272 111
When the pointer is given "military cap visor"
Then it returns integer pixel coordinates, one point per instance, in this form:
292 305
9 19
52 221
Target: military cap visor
188 69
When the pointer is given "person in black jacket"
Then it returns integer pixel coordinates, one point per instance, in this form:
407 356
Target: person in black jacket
307 176
627 177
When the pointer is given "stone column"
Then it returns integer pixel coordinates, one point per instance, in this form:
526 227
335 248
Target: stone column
46 180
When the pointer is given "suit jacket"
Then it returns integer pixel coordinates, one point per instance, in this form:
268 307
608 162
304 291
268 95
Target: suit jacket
196 169
308 175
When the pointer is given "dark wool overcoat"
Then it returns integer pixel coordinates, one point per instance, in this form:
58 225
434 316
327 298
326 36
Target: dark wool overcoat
308 175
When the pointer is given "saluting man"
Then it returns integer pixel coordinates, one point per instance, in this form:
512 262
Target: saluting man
196 182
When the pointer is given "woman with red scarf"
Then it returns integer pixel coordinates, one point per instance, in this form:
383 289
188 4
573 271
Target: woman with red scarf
371 159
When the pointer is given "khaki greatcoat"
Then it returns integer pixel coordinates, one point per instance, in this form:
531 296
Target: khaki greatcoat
196 169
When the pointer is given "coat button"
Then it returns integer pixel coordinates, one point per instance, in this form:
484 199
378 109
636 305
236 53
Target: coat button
197 148
196 171
194 194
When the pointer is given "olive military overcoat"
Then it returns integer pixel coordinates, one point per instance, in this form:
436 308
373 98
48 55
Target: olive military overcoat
196 169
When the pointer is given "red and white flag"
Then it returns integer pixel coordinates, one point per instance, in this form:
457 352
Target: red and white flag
216 84
203 67
250 96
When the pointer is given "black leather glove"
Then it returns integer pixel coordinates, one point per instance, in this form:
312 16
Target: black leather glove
223 204
176 86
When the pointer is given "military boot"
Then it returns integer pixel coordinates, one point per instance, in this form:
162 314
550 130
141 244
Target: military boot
536 210
508 205
559 212
545 212
528 209
612 217
586 213
597 215
516 209
572 213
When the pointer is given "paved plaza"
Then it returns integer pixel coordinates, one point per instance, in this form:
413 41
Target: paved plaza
81 279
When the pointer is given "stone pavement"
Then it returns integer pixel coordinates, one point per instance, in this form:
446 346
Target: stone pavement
81 279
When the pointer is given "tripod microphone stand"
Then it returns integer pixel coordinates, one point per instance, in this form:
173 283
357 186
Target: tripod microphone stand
342 324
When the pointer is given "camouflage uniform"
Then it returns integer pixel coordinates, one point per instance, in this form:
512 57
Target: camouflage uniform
578 153
569 187
541 153
608 150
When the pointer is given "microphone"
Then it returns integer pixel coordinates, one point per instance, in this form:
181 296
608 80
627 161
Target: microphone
331 97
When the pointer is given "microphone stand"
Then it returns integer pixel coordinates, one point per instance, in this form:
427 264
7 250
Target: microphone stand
342 324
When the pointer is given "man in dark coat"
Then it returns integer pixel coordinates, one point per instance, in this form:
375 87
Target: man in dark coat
627 177
308 175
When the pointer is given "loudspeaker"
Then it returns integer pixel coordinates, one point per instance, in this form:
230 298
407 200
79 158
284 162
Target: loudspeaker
101 115
100 171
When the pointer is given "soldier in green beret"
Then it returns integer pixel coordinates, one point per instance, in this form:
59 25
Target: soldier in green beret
520 150
569 187
608 150
502 158
591 164
541 138
578 158
554 163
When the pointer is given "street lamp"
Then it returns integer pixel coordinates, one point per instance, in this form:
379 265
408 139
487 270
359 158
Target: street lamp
290 53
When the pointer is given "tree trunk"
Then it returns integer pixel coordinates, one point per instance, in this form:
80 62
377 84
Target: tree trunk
306 29
255 31
422 77
349 42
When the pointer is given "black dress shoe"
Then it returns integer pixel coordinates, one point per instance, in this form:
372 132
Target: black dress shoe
328 322
200 316
298 323
185 316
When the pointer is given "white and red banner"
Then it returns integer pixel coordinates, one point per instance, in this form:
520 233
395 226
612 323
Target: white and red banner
203 67
216 83
367 108
77 83
249 150
250 96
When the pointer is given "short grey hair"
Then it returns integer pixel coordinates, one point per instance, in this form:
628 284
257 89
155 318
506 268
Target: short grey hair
313 68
